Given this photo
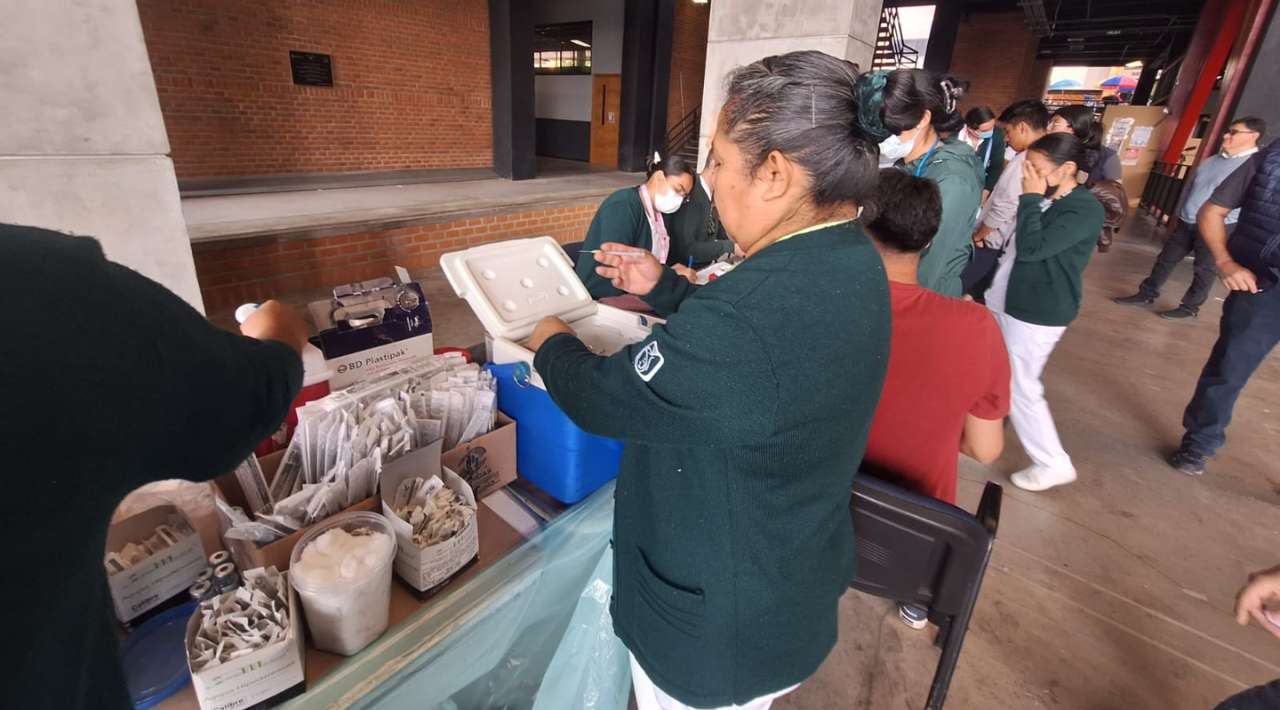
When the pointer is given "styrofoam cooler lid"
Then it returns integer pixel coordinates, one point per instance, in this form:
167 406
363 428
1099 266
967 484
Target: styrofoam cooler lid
514 284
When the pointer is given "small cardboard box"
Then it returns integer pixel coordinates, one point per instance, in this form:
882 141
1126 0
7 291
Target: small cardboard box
425 567
487 463
256 677
248 555
160 576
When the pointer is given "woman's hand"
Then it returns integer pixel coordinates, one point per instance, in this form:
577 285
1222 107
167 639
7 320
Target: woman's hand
686 272
629 268
547 327
1032 181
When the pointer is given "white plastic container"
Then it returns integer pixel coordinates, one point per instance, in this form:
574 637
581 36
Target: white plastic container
346 614
514 284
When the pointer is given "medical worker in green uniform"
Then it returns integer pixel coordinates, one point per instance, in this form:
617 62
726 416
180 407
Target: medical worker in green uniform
746 414
634 216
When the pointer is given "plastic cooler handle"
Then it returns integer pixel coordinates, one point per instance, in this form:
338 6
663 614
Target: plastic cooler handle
521 374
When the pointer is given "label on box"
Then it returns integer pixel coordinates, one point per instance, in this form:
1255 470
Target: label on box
424 568
157 578
358 366
253 678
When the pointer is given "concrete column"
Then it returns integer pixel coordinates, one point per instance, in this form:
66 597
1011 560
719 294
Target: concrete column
83 148
743 31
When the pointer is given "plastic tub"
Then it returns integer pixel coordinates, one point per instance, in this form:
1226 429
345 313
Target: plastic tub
346 613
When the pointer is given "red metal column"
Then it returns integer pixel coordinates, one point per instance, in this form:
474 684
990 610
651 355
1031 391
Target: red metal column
1228 27
1237 70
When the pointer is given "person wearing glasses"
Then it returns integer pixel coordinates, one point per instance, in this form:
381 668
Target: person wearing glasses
1239 142
634 216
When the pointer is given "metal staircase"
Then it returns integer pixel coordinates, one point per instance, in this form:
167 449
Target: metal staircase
682 139
892 50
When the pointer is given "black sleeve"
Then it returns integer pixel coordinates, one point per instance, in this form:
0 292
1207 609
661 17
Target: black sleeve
128 374
669 293
1230 192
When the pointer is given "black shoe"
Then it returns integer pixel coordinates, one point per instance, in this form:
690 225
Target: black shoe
1178 313
1136 299
1188 462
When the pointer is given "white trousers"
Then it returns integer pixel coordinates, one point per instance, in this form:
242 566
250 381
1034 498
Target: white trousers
1029 347
651 697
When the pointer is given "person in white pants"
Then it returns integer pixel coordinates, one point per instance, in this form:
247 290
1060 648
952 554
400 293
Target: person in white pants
651 697
1036 293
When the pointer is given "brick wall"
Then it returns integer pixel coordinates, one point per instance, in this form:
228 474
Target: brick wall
688 59
411 84
232 273
996 53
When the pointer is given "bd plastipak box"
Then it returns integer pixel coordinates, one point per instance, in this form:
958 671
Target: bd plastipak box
511 286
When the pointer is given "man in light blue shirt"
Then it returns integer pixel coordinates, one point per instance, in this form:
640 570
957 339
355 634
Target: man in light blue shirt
1239 141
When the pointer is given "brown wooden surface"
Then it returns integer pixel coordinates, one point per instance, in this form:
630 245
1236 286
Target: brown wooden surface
497 538
606 99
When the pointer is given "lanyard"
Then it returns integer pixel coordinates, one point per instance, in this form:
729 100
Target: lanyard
925 159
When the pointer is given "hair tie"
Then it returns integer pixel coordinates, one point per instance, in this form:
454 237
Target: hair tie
868 95
949 91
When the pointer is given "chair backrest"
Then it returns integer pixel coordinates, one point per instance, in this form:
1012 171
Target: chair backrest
913 548
571 250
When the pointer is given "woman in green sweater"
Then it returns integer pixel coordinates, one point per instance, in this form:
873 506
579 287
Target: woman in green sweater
1035 293
746 414
633 216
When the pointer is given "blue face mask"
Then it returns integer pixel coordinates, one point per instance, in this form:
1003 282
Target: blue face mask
984 135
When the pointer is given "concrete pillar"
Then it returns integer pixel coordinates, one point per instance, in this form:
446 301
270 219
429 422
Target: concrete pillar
83 148
743 31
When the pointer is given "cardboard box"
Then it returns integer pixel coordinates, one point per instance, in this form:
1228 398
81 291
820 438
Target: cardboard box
487 463
425 567
256 677
158 577
400 331
248 555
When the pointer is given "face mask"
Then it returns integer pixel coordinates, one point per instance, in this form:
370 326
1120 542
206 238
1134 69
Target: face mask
984 135
667 202
892 149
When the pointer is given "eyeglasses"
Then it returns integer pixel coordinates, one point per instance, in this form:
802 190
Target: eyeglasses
1235 132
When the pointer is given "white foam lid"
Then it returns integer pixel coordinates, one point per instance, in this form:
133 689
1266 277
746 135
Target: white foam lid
514 284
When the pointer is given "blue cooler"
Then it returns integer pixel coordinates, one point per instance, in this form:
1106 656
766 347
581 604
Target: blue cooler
511 286
551 450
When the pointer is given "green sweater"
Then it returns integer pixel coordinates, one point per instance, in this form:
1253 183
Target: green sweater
958 172
694 233
620 218
745 418
110 381
1053 250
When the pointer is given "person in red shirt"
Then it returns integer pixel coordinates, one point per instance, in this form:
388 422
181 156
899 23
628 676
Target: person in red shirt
947 388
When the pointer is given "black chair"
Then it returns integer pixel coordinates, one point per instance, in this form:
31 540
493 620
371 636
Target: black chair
571 250
915 549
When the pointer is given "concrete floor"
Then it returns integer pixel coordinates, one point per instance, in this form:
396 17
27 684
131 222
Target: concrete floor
1114 593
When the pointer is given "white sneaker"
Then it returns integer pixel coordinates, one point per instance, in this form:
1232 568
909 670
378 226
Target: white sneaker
1039 478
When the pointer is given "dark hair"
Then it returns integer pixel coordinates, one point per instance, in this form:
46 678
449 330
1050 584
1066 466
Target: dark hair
908 93
907 210
1084 124
1029 111
802 105
1060 148
671 166
1253 123
977 116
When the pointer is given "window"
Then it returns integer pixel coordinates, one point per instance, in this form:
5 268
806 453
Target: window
311 68
563 48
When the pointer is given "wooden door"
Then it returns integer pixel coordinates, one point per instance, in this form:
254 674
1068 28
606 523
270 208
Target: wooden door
606 99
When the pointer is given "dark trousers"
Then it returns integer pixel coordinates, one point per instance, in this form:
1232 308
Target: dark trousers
981 270
1184 240
1250 329
1261 697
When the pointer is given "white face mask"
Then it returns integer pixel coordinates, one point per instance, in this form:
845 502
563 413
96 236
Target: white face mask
667 202
893 149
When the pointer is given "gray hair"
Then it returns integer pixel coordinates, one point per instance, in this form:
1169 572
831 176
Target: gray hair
802 104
